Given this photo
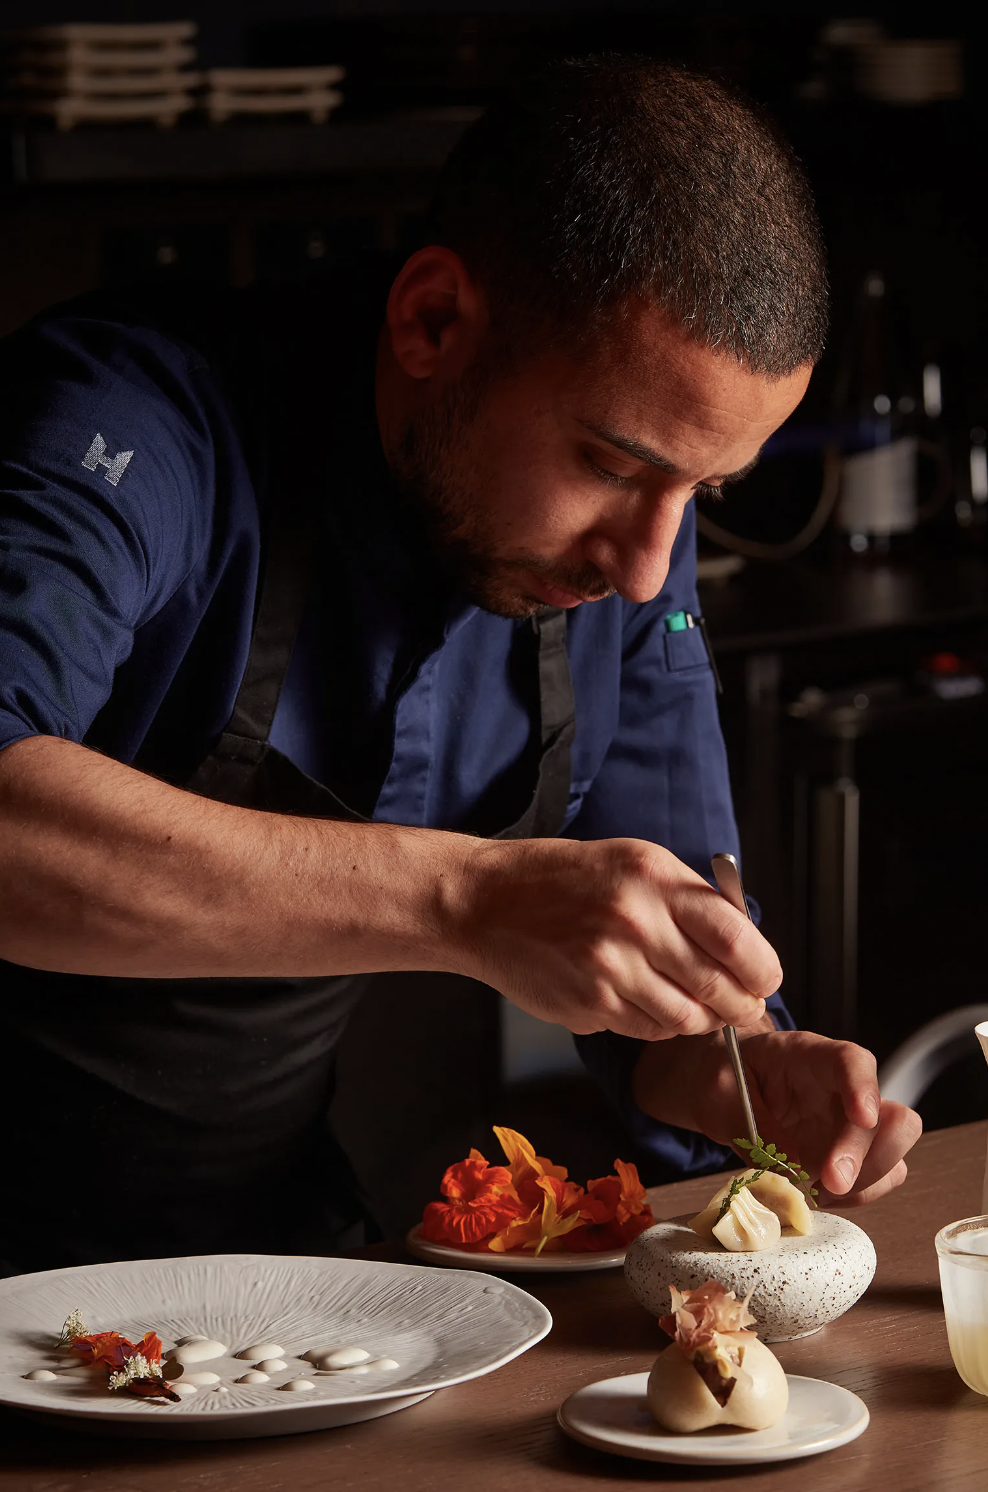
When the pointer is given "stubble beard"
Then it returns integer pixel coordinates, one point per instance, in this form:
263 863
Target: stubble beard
436 465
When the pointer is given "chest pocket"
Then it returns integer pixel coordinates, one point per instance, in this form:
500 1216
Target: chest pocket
685 650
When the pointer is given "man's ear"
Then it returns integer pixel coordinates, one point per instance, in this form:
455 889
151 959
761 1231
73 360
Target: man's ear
436 314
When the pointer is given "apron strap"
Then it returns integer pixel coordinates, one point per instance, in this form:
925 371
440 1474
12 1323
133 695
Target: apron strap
556 704
546 814
291 548
229 772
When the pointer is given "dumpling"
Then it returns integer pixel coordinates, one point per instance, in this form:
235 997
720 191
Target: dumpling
746 1225
771 1191
681 1400
787 1201
714 1372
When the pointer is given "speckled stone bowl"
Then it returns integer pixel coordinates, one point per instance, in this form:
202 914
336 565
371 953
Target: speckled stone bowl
799 1285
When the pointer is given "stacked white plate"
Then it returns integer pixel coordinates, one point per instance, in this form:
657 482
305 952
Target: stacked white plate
77 73
272 90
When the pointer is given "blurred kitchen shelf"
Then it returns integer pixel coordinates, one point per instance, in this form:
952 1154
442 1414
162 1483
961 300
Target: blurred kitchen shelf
812 601
390 143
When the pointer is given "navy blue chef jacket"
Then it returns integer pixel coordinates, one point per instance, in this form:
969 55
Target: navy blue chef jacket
130 543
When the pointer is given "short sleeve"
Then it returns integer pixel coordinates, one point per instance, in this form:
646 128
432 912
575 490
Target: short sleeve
106 468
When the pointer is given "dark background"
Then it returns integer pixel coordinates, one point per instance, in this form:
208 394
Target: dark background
862 823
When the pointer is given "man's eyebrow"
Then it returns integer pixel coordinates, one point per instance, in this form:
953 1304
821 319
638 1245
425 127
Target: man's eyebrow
640 452
633 448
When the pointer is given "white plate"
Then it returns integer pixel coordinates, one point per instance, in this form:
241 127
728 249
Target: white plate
440 1253
612 1416
440 1328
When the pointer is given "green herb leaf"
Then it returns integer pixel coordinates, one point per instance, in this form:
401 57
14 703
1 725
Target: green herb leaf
770 1158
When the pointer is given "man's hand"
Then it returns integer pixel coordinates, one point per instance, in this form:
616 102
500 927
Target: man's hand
817 1099
612 935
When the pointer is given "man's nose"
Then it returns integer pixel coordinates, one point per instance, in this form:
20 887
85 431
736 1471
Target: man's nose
640 554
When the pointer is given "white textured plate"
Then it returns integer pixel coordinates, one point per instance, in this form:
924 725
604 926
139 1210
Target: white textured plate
613 1416
440 1328
439 1253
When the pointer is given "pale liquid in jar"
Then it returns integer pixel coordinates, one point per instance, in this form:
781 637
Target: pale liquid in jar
965 1306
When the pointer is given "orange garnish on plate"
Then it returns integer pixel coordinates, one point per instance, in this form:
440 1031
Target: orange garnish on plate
480 1199
555 1215
531 1206
132 1366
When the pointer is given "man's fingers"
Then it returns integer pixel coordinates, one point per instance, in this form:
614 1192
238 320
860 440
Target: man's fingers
729 939
856 1078
881 1188
679 959
675 983
652 1007
860 1159
632 1021
706 985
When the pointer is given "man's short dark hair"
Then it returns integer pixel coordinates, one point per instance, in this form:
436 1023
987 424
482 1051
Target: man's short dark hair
614 178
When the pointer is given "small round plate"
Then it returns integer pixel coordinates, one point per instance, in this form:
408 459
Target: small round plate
491 1263
613 1416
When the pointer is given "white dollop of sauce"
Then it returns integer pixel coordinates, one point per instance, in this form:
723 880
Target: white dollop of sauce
198 1351
386 1364
185 1341
337 1357
201 1380
254 1377
40 1375
222 1389
271 1365
261 1349
184 1390
297 1386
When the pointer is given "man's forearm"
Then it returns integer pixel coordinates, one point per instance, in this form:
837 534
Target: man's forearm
104 870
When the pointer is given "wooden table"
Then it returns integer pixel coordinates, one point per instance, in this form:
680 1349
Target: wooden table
927 1430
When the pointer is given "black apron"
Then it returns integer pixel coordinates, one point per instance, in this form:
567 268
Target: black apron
191 1115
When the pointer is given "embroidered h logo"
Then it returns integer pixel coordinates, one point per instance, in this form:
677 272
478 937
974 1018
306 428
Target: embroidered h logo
96 456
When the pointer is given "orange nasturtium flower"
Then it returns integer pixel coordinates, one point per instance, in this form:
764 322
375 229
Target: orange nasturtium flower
614 1211
479 1201
113 1350
531 1205
545 1227
526 1166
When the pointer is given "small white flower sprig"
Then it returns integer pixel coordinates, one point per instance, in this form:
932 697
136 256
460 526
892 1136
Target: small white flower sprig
135 1369
74 1327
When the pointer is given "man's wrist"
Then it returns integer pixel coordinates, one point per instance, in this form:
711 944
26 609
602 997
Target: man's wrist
464 884
674 1081
670 1076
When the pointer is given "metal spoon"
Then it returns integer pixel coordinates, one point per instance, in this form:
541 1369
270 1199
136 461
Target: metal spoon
728 878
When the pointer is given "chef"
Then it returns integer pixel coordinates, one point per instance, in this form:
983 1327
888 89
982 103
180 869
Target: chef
333 640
